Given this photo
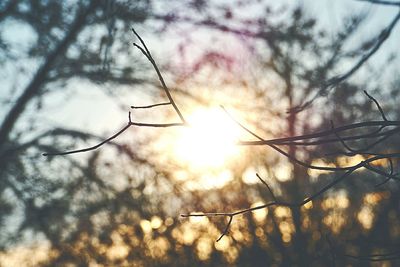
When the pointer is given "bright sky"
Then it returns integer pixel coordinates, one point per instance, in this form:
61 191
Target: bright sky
329 13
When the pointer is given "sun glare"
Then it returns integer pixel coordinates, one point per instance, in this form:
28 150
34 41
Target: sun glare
209 141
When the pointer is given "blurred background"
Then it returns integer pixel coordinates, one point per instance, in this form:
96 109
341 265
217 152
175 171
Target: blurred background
69 74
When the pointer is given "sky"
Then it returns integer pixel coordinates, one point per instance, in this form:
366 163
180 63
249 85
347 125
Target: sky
94 111
330 14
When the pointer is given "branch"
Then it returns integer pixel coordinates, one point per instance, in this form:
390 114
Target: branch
364 163
269 188
336 80
273 203
148 55
376 257
126 127
151 106
348 171
41 75
377 105
381 2
353 126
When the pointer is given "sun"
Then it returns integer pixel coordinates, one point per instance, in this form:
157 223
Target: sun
209 141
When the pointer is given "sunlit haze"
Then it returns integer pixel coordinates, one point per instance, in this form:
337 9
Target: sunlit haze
209 141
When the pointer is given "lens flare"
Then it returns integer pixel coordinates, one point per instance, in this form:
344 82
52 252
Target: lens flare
209 141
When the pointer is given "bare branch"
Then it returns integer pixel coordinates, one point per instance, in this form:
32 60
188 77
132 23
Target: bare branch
391 173
335 81
151 106
92 147
147 53
376 257
323 134
381 2
130 123
226 228
269 188
350 170
377 105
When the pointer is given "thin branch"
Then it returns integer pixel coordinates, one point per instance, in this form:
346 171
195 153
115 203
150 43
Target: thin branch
269 188
292 158
92 147
226 228
374 258
335 81
380 2
383 173
353 152
126 127
353 126
350 170
151 106
147 53
378 106
391 173
273 203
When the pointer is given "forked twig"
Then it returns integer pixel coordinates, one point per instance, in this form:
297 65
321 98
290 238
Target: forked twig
147 53
130 123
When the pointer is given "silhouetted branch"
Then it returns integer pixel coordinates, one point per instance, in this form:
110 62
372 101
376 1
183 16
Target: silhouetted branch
379 2
333 135
228 225
126 127
322 136
335 81
147 53
266 184
377 105
151 106
391 173
376 257
364 163
348 170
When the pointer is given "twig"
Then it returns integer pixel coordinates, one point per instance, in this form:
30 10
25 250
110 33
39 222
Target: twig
151 106
376 257
352 151
126 127
269 188
323 134
147 53
378 106
348 171
226 228
335 81
380 2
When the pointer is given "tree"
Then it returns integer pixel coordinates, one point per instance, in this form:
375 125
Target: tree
64 42
103 219
295 73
